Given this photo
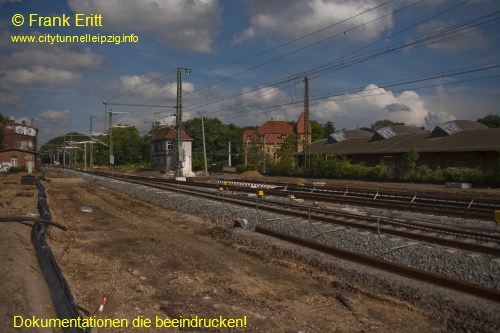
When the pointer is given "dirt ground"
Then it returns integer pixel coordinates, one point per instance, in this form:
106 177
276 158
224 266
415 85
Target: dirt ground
159 263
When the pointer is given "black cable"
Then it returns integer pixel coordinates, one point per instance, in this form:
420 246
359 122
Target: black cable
17 218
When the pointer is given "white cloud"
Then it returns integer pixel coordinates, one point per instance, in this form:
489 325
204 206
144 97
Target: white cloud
40 75
299 17
52 123
36 64
141 85
53 56
435 118
181 24
467 38
262 104
373 103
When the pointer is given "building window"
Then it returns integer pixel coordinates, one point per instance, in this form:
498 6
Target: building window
13 161
170 145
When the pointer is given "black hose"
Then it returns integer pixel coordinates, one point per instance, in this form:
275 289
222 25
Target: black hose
31 219
63 300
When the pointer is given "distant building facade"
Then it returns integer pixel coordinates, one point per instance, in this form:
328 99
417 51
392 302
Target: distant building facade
300 131
459 143
163 150
19 145
271 135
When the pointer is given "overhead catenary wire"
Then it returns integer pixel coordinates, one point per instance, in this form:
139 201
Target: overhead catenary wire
280 46
416 43
345 96
348 59
382 52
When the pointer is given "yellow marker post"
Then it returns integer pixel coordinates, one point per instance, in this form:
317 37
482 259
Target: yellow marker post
497 216
260 193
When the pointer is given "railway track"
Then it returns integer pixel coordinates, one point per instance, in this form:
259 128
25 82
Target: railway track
482 209
444 236
486 243
453 205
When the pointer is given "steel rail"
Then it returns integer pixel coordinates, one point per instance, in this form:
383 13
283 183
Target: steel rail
320 195
414 273
423 196
377 224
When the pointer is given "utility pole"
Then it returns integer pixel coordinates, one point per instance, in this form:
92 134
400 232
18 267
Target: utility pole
91 159
64 152
105 115
229 153
305 147
263 139
246 151
204 146
111 156
178 124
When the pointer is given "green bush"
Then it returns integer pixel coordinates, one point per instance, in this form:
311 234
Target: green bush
240 168
14 170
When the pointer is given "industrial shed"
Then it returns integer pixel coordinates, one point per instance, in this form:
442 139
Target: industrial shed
459 143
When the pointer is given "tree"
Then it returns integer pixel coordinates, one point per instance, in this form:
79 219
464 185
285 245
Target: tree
384 123
409 163
127 145
491 120
286 165
317 131
217 138
329 128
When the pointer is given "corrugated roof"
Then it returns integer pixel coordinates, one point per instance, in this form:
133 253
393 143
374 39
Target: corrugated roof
455 126
479 140
169 132
344 134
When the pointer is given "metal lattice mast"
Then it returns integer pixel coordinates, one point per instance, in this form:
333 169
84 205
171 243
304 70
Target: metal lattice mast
305 145
178 125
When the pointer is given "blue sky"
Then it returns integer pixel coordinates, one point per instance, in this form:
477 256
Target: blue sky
421 62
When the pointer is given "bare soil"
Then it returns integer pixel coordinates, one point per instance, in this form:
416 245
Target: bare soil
156 262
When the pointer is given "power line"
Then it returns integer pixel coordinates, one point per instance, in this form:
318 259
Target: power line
194 106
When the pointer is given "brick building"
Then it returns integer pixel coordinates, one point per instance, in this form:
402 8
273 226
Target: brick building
19 145
272 134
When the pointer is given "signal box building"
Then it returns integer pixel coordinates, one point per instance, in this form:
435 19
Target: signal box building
163 150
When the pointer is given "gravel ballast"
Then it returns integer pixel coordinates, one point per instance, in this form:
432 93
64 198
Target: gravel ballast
475 268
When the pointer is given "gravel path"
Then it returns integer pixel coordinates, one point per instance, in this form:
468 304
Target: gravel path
476 268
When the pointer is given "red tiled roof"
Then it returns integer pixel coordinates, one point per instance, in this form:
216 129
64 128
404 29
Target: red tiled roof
274 131
299 127
169 132
275 127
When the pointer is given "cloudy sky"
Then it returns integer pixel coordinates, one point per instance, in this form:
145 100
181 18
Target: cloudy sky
421 62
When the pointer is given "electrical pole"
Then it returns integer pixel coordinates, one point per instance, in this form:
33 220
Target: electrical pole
178 123
263 139
91 159
111 156
305 147
229 153
204 146
246 151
